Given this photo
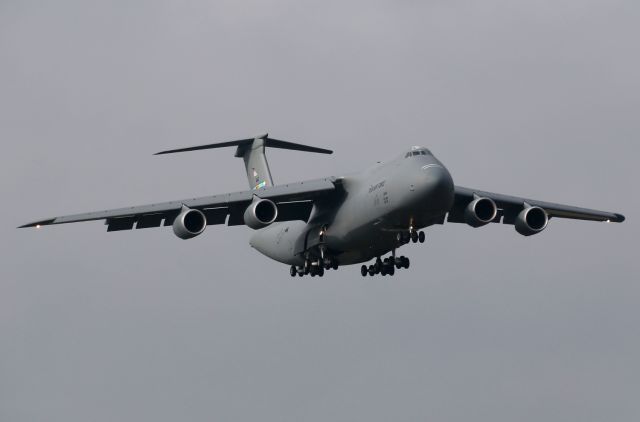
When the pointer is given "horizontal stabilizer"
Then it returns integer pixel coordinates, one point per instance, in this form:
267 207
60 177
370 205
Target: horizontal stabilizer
243 144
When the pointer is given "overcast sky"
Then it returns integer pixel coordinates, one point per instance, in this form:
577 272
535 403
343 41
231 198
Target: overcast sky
537 98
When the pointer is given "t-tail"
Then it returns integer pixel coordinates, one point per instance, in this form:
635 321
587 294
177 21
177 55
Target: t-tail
252 151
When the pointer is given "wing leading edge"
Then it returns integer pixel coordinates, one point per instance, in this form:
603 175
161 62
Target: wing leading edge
510 206
295 201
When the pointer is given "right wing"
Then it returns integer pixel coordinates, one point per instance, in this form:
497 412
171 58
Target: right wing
294 200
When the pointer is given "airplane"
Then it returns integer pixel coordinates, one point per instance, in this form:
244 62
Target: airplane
323 224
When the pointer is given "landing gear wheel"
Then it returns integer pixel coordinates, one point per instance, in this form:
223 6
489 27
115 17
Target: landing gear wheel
307 267
334 265
406 263
320 272
363 270
414 237
391 270
293 271
421 237
328 264
372 271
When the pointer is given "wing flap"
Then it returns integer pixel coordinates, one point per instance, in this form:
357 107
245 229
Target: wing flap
215 215
289 211
121 223
146 221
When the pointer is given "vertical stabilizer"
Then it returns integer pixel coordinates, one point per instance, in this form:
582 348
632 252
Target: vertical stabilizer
255 163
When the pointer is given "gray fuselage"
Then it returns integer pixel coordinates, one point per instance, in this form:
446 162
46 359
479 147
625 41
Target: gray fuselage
363 220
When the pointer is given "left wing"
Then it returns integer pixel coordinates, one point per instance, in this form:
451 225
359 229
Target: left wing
509 207
294 200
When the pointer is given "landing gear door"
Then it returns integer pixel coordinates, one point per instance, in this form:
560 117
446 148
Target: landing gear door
312 238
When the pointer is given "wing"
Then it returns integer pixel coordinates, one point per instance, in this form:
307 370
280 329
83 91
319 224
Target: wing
510 206
294 200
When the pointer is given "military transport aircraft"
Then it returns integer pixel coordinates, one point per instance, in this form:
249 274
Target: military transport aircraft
322 224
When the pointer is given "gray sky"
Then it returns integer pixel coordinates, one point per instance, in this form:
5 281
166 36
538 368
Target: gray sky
539 99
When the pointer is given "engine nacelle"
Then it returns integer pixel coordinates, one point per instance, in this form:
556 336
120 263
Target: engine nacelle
480 211
189 223
260 213
531 220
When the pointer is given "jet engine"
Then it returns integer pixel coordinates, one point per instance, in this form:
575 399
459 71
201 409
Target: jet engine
480 211
260 213
189 223
531 220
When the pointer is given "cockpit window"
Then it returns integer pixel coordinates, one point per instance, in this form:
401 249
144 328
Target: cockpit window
421 151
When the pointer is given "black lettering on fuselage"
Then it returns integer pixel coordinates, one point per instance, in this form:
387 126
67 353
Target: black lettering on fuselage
377 186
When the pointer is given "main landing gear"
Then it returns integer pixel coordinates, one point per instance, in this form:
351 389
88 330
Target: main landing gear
411 236
388 265
385 266
314 267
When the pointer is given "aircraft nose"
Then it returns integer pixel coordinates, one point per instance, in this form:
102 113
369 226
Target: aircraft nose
437 186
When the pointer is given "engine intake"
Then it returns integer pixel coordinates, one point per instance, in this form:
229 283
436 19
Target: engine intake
260 213
531 220
189 223
480 211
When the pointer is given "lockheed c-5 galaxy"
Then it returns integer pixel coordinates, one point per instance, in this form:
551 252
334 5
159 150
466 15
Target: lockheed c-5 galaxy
322 224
